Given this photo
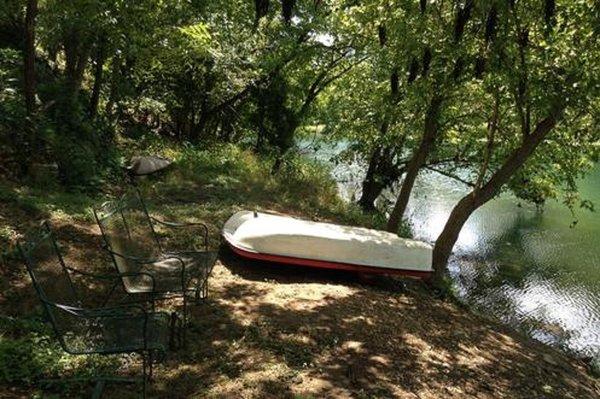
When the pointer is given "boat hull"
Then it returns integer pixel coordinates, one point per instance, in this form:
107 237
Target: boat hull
286 240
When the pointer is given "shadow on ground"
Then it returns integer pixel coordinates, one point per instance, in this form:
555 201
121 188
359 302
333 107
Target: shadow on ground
272 331
275 331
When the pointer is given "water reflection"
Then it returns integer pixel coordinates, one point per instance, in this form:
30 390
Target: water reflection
525 266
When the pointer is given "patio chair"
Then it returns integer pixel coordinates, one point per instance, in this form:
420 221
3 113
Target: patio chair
122 329
131 239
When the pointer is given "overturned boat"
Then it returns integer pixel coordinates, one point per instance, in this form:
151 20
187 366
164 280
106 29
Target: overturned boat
288 240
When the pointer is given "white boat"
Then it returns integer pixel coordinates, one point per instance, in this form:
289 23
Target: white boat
288 240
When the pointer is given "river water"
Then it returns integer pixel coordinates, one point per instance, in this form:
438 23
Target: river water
530 268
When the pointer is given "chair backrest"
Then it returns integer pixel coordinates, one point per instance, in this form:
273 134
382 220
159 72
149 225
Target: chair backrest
127 230
50 278
79 330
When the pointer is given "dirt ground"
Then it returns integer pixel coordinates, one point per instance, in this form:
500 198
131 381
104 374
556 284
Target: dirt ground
274 331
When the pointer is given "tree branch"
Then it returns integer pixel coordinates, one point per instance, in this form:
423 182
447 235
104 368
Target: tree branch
450 175
492 128
321 83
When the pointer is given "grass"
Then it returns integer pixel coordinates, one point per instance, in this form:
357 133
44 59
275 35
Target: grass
208 184
267 331
213 184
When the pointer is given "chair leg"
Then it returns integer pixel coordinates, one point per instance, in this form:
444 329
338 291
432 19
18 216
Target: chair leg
98 389
144 376
201 292
184 332
172 331
150 365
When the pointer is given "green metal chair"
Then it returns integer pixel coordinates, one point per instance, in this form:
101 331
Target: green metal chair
125 328
131 239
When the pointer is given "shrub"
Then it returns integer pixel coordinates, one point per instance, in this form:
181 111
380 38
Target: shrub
26 352
30 352
82 147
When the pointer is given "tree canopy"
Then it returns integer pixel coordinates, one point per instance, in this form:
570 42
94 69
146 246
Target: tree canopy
501 95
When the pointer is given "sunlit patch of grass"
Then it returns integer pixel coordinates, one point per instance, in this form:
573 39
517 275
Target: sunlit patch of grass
211 184
38 203
7 234
28 353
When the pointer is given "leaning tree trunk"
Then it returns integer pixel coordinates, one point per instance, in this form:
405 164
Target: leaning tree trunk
469 203
427 144
446 240
29 54
371 185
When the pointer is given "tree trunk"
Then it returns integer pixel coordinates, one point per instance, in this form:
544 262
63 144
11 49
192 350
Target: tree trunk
447 238
113 87
95 98
76 59
26 142
381 173
371 185
472 201
283 142
371 189
29 55
427 144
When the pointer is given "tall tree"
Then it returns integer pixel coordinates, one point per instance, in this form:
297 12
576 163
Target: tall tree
430 133
445 79
29 56
384 164
99 60
482 194
540 80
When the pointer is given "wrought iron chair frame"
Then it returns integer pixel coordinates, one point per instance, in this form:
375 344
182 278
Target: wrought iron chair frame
199 292
119 311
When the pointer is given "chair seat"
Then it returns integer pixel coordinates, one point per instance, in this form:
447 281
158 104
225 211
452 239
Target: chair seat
120 333
128 332
167 273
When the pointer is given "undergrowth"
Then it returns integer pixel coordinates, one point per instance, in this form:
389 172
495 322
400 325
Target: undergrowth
30 355
206 184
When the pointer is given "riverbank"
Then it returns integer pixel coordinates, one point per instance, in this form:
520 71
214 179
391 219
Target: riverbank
534 268
273 332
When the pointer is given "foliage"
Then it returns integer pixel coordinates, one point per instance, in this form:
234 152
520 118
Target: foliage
28 352
255 75
81 147
228 178
12 111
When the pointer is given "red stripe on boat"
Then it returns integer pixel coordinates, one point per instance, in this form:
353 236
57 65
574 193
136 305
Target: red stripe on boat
323 264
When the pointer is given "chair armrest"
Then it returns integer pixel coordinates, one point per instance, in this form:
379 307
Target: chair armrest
178 224
136 259
115 275
96 314
175 225
127 310
143 261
